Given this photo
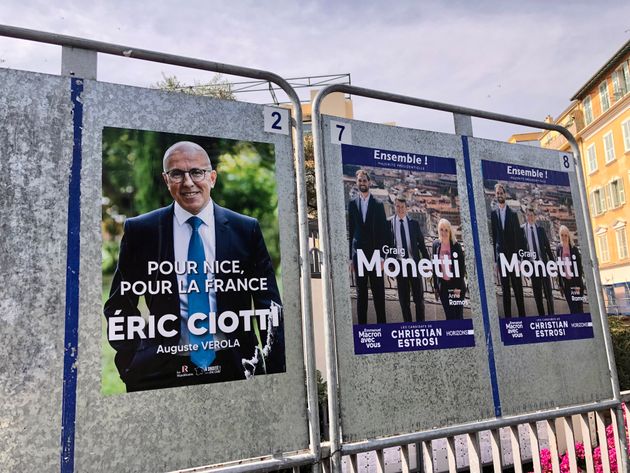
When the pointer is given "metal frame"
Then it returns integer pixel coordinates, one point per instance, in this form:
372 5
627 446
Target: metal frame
463 124
305 283
262 85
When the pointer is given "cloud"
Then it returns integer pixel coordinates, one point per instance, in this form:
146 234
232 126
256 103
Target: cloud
523 58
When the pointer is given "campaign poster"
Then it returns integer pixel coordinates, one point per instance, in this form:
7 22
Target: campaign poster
406 255
190 261
538 272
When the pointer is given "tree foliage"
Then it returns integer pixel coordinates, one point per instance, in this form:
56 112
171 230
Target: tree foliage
246 183
309 164
620 334
217 87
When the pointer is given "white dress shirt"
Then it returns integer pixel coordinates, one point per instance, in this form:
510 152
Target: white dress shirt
181 238
364 205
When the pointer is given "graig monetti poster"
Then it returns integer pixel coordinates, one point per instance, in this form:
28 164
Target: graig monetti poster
539 276
191 261
406 256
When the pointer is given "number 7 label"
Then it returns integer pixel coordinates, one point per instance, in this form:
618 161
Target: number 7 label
340 133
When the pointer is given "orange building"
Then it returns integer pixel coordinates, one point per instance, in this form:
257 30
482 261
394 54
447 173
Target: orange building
599 118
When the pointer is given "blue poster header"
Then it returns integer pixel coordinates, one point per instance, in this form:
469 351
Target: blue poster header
516 173
376 157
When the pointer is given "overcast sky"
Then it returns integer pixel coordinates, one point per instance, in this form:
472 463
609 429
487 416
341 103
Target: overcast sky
523 58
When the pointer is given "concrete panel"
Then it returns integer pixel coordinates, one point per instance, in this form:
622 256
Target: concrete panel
542 375
190 426
35 157
392 393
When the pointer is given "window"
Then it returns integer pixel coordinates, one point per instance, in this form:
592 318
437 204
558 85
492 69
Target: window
603 96
609 147
588 110
622 242
625 128
602 243
617 193
591 158
621 81
598 201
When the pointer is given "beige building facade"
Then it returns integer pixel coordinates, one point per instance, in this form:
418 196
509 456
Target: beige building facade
599 118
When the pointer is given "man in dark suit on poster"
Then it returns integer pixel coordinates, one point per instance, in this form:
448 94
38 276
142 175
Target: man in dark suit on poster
194 231
507 238
368 232
539 250
409 242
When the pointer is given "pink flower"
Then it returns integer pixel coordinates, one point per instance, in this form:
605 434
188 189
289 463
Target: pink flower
579 451
545 461
564 464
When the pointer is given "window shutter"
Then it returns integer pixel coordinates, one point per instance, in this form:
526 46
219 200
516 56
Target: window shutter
626 134
617 94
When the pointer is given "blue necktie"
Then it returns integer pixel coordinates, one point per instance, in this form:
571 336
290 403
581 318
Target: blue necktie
198 301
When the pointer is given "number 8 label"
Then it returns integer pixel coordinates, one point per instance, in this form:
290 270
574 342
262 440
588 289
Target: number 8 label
566 162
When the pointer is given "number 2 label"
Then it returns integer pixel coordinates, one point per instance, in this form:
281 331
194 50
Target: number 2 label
276 120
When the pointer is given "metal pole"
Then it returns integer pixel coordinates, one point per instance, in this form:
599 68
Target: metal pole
472 427
595 264
444 107
305 268
145 54
305 283
334 426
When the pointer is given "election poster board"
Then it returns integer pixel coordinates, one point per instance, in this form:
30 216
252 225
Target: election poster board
95 150
171 317
126 132
402 369
539 276
405 243
542 360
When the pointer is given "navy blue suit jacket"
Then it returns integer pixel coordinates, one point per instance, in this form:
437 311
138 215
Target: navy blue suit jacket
418 249
149 237
543 242
370 235
507 240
